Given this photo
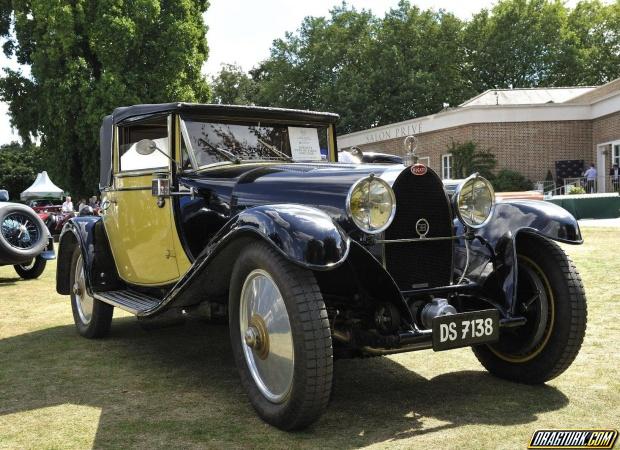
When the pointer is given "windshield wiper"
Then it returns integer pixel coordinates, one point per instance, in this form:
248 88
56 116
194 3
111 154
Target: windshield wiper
227 154
275 150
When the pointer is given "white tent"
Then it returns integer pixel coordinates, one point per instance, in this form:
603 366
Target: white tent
42 188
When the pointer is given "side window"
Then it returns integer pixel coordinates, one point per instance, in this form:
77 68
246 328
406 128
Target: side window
156 129
186 163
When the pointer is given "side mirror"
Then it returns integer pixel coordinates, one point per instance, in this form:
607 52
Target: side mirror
146 147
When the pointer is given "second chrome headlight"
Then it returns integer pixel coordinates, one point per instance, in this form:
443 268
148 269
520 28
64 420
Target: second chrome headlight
371 204
475 200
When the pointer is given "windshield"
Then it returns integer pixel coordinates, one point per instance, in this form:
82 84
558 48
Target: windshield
214 142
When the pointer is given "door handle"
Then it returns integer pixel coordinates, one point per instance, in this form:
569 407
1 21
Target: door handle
107 203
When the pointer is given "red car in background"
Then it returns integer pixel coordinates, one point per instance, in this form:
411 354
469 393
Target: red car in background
50 212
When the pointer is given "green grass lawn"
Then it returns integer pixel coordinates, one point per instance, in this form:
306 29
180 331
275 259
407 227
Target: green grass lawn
178 387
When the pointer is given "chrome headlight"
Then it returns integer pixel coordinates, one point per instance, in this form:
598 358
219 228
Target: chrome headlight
371 204
475 200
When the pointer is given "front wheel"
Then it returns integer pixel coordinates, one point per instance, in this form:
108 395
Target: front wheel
32 269
280 337
550 295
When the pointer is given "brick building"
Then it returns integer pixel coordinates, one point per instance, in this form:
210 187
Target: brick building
528 130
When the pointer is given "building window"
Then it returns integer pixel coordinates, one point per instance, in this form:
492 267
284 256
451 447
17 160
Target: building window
615 156
446 166
426 160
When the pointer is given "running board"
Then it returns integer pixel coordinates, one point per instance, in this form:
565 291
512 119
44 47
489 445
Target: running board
128 300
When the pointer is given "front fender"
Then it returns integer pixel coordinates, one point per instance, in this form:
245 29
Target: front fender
304 235
494 251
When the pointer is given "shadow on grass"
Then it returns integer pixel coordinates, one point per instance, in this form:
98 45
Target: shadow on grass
10 280
181 385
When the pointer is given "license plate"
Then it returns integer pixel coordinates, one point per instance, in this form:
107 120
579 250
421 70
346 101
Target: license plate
465 329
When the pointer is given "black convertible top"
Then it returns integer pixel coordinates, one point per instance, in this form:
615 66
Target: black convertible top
137 112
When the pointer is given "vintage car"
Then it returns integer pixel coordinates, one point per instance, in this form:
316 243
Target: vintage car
244 212
55 220
25 242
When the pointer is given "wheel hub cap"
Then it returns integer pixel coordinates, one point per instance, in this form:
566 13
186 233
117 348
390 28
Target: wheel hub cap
19 230
266 336
251 337
83 301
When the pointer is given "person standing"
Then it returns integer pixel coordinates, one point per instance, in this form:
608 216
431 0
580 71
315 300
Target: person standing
67 206
614 174
590 176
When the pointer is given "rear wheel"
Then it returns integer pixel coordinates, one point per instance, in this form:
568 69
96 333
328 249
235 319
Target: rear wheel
92 317
280 337
32 269
550 295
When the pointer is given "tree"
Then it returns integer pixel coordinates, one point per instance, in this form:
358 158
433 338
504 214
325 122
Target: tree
592 44
417 64
19 165
326 65
530 43
508 180
87 57
467 159
515 44
232 86
370 71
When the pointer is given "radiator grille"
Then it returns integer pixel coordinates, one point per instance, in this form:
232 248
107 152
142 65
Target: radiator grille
420 264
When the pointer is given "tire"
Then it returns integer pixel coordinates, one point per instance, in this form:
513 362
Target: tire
92 317
23 234
549 342
299 392
32 269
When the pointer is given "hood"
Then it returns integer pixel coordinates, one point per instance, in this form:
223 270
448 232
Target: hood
324 186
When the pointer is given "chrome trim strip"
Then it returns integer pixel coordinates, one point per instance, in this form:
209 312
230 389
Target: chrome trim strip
396 241
132 188
140 172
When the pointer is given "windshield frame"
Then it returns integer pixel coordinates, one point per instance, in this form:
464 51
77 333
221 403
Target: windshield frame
185 139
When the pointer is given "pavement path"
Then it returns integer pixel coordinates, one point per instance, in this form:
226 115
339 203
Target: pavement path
608 223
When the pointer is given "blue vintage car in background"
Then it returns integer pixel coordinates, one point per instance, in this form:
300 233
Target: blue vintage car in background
25 242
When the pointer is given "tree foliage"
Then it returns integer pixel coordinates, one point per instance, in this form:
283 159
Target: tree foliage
232 86
19 165
508 180
412 62
325 66
468 159
516 44
87 57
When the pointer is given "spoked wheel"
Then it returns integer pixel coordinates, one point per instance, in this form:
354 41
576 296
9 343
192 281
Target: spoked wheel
92 317
550 296
22 233
280 337
32 269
